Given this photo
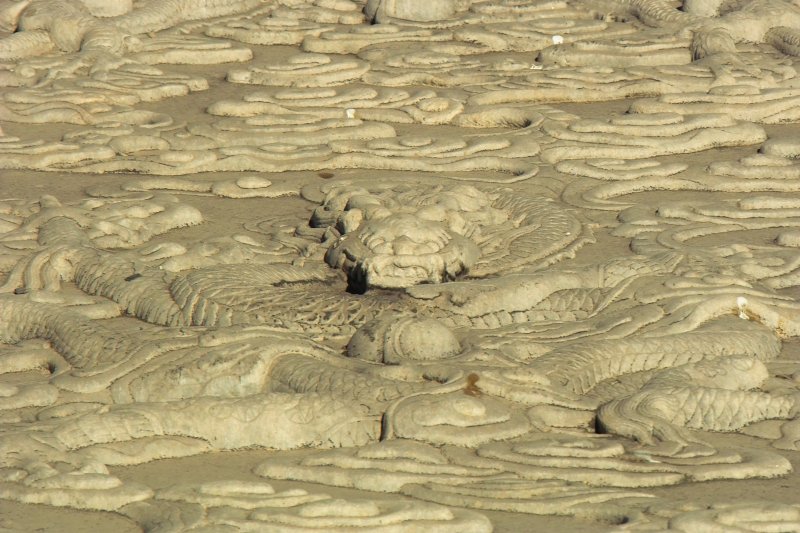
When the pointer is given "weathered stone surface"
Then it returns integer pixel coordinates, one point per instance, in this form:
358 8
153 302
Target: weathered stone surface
424 249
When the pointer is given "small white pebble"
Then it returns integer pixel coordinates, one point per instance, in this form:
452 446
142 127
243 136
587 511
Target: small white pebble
536 67
350 113
741 302
558 39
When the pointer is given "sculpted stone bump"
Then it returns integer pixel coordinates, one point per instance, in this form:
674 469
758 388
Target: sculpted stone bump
391 340
429 11
399 251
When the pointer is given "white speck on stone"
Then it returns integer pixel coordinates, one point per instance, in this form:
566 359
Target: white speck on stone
536 67
558 39
350 113
741 303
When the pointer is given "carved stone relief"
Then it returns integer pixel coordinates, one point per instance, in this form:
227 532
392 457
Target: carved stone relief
531 257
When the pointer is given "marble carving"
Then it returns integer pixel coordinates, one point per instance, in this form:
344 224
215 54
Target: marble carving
539 257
